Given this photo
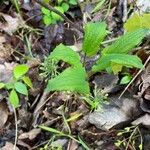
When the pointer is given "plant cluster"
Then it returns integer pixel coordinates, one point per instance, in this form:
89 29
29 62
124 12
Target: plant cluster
112 58
18 84
63 6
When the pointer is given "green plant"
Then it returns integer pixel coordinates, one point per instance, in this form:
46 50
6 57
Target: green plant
50 17
138 21
133 133
18 84
60 133
113 58
97 100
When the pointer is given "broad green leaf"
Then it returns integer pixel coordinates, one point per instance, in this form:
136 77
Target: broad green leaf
21 88
65 6
126 42
52 130
122 59
65 54
27 81
94 35
20 70
137 21
72 79
14 100
55 16
2 85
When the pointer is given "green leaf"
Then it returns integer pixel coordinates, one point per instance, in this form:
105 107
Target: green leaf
65 6
72 79
65 54
20 70
126 42
52 130
47 20
137 21
14 100
21 88
45 11
122 59
126 79
55 16
73 2
27 81
9 86
94 35
2 85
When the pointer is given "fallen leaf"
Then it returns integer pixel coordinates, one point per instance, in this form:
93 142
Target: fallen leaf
30 135
10 24
3 114
9 146
5 49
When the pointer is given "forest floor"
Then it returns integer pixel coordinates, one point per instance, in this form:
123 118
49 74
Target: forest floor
116 114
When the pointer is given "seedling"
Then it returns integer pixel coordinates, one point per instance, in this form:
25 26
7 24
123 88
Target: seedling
63 6
18 85
134 134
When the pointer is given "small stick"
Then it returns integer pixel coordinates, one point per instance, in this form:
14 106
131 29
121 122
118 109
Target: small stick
59 13
134 78
16 130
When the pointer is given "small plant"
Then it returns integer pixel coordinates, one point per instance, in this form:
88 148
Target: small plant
113 58
18 84
49 68
134 135
50 17
97 101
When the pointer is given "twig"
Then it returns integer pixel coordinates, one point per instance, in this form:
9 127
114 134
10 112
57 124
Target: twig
58 13
16 130
148 59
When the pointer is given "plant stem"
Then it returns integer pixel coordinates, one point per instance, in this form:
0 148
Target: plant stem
59 13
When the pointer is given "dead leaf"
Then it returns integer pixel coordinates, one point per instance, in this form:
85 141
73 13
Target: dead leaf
30 135
9 146
3 114
5 49
6 72
9 24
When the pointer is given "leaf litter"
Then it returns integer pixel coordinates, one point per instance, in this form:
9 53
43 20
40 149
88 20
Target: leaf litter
65 112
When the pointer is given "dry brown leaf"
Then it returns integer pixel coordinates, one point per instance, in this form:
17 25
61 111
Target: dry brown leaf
5 49
9 146
6 72
3 114
30 135
10 24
